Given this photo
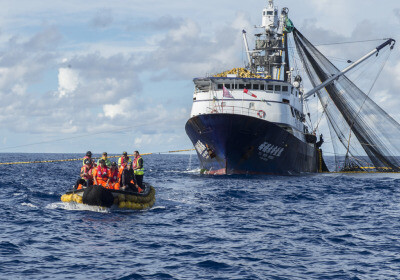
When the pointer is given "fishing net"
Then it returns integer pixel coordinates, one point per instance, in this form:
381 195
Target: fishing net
358 126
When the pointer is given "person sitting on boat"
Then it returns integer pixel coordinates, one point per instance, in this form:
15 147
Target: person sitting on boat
113 177
108 162
101 176
86 175
138 168
88 157
128 180
124 159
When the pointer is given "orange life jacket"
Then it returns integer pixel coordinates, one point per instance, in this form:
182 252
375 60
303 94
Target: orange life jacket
102 175
113 175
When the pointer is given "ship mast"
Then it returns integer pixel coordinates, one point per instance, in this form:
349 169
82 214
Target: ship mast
271 45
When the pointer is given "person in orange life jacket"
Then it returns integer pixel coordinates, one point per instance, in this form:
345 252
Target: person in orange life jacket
88 157
101 176
124 159
138 169
113 177
128 179
86 175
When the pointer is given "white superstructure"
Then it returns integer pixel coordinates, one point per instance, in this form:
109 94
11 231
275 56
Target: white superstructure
276 101
265 90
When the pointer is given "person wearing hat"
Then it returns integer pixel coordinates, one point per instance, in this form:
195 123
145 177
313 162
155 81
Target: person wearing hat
86 175
138 169
113 177
88 157
101 177
108 162
124 160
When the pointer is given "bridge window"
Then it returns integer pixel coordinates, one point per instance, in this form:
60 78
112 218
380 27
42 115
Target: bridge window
262 87
228 86
220 86
256 86
285 88
270 87
241 86
277 88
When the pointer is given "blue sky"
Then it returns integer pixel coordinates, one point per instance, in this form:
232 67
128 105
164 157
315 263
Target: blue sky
117 75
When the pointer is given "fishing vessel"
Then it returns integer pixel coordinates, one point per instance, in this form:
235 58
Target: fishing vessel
251 120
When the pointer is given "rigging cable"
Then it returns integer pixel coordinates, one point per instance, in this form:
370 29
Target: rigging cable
351 42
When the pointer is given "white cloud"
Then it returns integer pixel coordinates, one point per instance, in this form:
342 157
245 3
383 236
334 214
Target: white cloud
122 109
68 80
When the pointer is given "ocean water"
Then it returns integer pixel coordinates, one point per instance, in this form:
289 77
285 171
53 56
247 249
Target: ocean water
322 226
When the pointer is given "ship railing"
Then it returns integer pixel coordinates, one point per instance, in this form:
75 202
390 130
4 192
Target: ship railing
238 110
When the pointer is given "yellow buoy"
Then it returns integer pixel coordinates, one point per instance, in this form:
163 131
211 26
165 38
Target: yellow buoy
78 199
132 205
121 204
136 206
74 197
66 198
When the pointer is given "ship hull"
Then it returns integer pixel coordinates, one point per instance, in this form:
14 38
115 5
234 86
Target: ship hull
237 144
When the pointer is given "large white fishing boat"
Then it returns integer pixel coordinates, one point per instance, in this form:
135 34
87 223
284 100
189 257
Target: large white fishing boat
251 120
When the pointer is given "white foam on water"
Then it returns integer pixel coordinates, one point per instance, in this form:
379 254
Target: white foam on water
29 205
158 207
73 206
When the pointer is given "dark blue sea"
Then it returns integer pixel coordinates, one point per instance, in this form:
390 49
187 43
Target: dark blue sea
329 226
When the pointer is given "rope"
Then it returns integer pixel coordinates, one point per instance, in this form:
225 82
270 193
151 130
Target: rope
77 159
351 42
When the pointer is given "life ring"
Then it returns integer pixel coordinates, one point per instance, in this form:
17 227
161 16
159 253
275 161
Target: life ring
261 114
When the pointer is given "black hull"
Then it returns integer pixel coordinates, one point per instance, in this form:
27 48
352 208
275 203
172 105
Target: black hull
237 144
